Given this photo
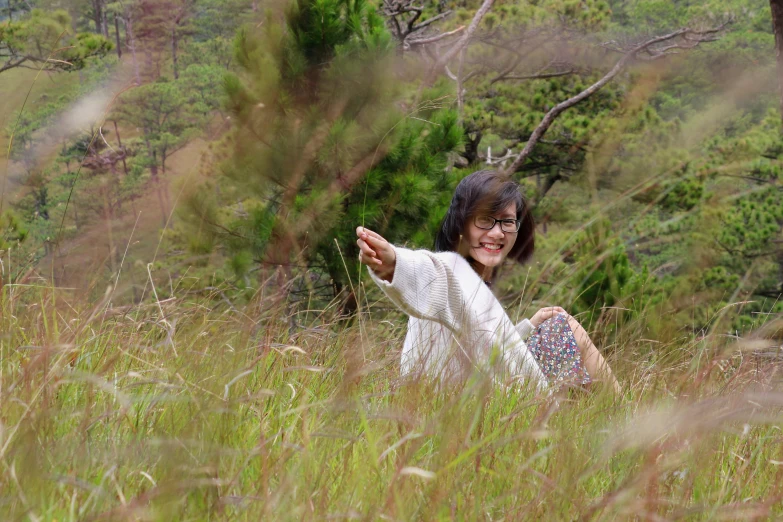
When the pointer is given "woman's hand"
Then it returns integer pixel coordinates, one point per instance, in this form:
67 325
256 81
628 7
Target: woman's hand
376 252
544 314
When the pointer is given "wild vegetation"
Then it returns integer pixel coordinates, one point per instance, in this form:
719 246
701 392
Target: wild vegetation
186 332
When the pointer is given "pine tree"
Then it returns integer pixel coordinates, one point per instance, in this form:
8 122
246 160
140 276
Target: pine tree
320 146
45 40
167 121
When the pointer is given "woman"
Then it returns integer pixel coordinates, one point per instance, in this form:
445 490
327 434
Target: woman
456 324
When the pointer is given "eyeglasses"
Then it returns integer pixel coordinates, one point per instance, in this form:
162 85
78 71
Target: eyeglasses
510 226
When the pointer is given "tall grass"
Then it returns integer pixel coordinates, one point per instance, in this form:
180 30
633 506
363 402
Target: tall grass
190 409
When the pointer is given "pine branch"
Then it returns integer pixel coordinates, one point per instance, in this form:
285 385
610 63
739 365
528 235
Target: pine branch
11 64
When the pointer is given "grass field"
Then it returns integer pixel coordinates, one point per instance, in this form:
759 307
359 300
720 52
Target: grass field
190 410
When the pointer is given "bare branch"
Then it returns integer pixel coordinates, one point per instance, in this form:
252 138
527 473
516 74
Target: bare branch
748 178
397 26
462 42
504 45
540 76
404 13
496 161
512 64
11 64
427 23
553 113
432 39
542 40
460 88
412 19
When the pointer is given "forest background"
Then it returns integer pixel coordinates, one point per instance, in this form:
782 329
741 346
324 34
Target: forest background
191 172
660 186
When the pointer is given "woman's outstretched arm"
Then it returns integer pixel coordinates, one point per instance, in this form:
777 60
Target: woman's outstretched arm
422 284
377 253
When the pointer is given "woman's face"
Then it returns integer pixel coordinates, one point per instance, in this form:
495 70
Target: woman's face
489 248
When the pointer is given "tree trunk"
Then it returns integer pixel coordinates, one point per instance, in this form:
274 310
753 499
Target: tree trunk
117 36
96 15
131 41
119 142
779 259
169 218
158 190
99 16
133 207
472 143
165 191
109 215
117 195
174 48
549 182
156 182
104 22
133 284
348 305
777 27
148 62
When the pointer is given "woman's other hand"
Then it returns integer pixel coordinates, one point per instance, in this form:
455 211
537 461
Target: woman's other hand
376 252
546 313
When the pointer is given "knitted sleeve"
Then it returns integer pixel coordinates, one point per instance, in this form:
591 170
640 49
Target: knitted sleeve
425 285
525 328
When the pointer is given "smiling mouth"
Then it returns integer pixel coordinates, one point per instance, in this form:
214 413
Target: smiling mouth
493 248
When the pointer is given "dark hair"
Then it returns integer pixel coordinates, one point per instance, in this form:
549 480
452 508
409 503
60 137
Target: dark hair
486 191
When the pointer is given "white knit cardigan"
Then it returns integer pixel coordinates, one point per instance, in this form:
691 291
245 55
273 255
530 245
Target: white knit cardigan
456 324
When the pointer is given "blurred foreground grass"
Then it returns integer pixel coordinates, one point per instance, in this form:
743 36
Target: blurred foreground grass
186 409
